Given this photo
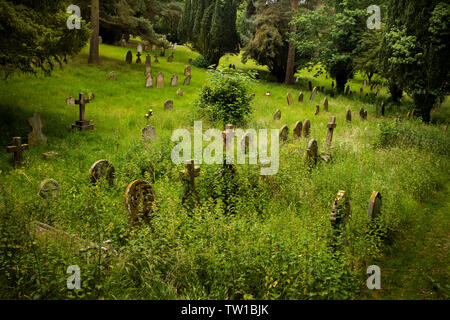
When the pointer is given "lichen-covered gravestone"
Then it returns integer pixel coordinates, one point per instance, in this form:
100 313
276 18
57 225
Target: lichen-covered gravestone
149 134
325 105
139 201
102 169
374 209
313 94
174 80
306 128
298 129
168 105
289 98
300 97
312 153
17 148
36 136
48 188
331 126
247 142
317 110
160 81
277 115
149 81
284 133
163 52
187 71
187 80
170 58
340 211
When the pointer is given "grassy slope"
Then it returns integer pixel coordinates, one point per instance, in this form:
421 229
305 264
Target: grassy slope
118 113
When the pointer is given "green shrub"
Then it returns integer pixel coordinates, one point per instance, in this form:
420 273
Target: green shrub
201 62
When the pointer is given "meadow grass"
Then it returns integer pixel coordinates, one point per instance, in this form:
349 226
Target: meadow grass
278 242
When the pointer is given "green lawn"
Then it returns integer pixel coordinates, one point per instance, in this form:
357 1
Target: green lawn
277 243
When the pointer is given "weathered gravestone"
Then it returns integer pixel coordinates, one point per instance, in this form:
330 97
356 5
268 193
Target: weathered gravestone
300 97
306 128
148 61
140 201
361 113
289 98
284 133
180 92
317 110
48 188
313 94
82 124
148 71
188 176
348 116
139 48
374 209
168 105
325 105
174 80
102 169
277 115
187 80
148 134
17 148
298 129
163 52
149 81
36 136
340 211
160 81
112 76
170 58
129 58
187 71
247 142
153 47
331 126
312 153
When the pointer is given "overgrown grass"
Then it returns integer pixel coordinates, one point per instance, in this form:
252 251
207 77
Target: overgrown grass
276 244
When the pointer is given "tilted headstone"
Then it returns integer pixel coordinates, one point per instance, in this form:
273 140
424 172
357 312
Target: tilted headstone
374 209
188 176
148 134
102 169
36 136
317 110
17 148
306 128
325 105
331 126
180 92
277 115
300 97
348 116
296 79
48 188
168 105
312 153
129 58
313 94
284 133
149 81
187 81
289 98
160 81
174 80
340 211
298 129
139 201
112 75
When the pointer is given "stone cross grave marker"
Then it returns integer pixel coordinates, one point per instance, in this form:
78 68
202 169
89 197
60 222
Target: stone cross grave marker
188 176
180 92
160 80
112 76
312 153
138 60
313 94
348 116
306 128
289 98
82 123
174 80
187 80
325 105
140 201
340 210
156 59
36 136
102 169
374 209
277 115
317 110
148 134
129 58
331 126
17 148
298 129
300 97
284 133
48 188
168 105
149 81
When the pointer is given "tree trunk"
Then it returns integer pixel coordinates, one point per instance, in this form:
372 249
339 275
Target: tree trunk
341 80
423 104
289 79
95 25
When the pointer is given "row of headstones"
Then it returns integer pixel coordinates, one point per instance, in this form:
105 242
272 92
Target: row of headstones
129 57
160 80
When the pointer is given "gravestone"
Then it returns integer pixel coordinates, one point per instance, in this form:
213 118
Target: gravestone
374 209
312 153
49 155
325 105
163 52
188 176
313 94
129 58
277 115
148 60
298 129
174 80
102 169
81 124
365 114
331 126
187 71
36 136
146 47
168 105
306 128
156 59
187 81
175 46
149 81
309 85
17 148
348 116
170 58
289 98
180 92
284 133
148 134
48 188
112 75
340 211
247 140
139 201
361 113
139 48
382 108
138 60
148 71
160 81
300 97
317 110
